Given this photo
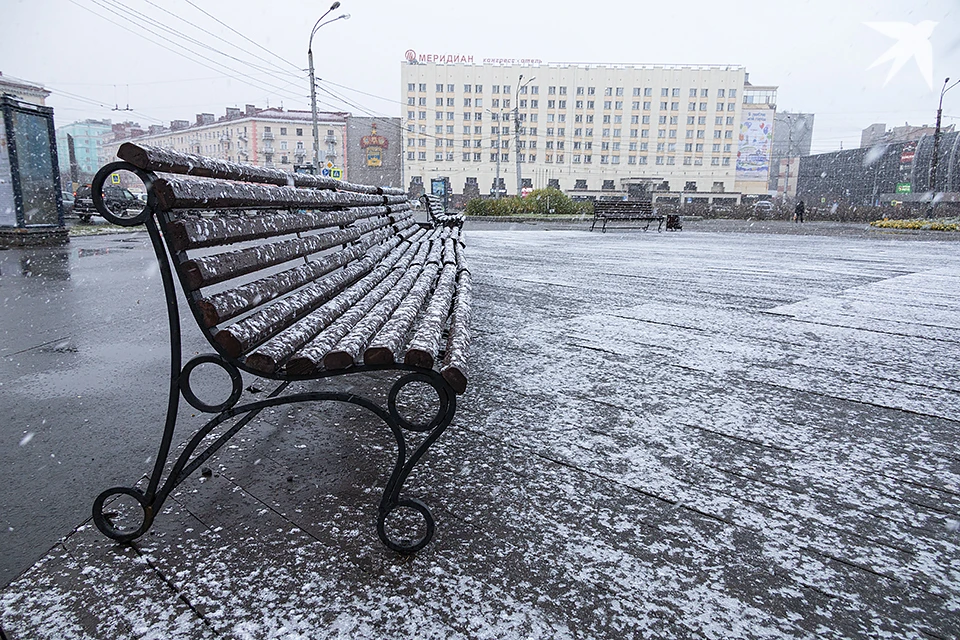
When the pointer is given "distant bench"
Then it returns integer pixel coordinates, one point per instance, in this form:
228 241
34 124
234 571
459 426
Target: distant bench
296 277
625 210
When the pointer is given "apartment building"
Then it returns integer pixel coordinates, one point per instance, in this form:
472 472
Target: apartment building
271 137
588 129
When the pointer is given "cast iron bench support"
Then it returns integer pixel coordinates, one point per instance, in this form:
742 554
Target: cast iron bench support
230 416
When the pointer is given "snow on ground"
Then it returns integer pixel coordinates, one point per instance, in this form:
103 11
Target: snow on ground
665 435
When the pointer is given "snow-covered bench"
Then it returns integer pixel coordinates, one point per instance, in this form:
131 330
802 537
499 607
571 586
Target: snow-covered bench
294 277
625 210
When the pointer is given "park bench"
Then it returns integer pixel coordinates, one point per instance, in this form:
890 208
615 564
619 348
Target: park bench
294 277
625 210
438 213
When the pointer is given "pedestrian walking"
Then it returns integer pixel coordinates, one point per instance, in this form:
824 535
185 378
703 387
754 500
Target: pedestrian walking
798 212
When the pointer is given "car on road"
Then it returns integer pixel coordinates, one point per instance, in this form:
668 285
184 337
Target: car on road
68 202
117 199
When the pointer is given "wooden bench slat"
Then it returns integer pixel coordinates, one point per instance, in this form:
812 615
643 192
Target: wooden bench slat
309 359
347 352
186 233
223 306
150 158
385 346
454 368
189 193
209 270
242 336
270 355
425 343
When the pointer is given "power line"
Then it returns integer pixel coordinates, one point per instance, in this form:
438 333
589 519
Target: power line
272 64
132 15
214 18
251 81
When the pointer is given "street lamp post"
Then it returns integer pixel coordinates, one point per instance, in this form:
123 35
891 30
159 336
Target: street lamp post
499 114
936 146
516 123
313 88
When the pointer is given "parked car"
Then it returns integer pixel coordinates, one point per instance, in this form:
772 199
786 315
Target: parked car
762 208
117 199
67 199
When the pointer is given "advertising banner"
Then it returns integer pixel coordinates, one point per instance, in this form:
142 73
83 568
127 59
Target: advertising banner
756 141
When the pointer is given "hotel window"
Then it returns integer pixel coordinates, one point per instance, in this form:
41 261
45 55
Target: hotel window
661 147
687 161
411 102
467 102
563 91
661 133
466 88
701 134
591 91
719 106
732 106
726 162
720 93
646 105
534 89
411 86
422 102
698 148
729 121
563 104
675 92
704 93
718 121
451 115
411 115
495 88
648 91
534 104
451 102
590 119
422 156
631 159
644 133
423 86
633 146
702 120
716 148
604 159
714 162
688 147
671 160
693 93
579 91
506 89
617 119
664 92
717 134
659 160
636 105
478 88
478 102
673 133
728 134
663 106
422 115
727 148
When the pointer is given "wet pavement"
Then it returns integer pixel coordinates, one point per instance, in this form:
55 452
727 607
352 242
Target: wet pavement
735 431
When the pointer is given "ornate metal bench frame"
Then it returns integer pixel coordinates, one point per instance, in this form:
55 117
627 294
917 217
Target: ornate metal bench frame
159 487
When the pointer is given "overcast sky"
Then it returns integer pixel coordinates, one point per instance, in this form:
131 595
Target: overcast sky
94 55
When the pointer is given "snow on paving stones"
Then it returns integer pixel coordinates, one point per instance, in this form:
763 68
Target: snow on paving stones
670 435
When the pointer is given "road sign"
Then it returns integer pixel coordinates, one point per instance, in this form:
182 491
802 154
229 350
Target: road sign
336 174
904 187
115 178
325 172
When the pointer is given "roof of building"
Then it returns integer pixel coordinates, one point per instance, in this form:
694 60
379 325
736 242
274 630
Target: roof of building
23 85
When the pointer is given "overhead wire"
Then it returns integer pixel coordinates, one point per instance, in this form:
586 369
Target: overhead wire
251 81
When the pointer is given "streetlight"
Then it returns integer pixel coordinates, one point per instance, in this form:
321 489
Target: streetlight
936 146
313 88
499 114
516 122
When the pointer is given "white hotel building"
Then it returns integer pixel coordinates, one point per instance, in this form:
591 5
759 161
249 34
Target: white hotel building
588 129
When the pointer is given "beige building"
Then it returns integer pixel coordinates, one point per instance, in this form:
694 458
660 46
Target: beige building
264 137
22 90
587 129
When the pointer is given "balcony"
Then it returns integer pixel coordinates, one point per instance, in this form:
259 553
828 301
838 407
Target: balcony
267 135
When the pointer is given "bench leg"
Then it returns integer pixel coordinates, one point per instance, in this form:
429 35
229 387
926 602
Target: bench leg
151 499
405 463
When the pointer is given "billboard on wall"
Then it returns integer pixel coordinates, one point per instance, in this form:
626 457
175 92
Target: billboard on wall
756 142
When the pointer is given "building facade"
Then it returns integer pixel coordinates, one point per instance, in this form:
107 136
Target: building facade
589 130
265 137
80 149
374 151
